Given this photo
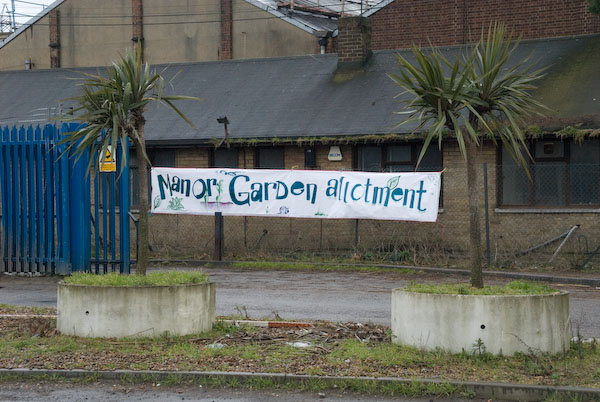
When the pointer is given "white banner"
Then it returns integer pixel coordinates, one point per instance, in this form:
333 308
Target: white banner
296 193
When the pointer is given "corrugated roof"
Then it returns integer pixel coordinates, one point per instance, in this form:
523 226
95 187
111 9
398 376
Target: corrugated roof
300 96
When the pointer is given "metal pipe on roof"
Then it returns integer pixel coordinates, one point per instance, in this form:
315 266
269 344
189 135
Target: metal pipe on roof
323 44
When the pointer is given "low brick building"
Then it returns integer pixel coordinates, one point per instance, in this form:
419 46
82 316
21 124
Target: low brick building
288 112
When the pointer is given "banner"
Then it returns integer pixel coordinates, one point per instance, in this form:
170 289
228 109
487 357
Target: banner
296 193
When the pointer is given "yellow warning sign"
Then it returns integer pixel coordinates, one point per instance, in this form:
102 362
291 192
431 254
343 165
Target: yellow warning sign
107 161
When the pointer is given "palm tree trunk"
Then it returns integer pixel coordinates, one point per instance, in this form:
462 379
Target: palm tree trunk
142 258
476 253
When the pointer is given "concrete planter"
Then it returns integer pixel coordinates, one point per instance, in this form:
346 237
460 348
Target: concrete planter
505 324
111 311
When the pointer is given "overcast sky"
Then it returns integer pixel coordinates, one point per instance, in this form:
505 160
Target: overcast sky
24 10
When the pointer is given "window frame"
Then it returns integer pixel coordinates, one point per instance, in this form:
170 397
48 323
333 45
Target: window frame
385 164
531 188
415 149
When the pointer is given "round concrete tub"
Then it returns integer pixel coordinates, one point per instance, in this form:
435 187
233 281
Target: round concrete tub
505 324
117 311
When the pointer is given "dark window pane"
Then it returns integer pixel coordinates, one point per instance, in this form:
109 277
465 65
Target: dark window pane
399 153
584 174
270 158
550 183
162 157
369 159
432 160
226 158
515 183
310 157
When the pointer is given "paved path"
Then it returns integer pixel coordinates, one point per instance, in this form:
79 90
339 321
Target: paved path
334 296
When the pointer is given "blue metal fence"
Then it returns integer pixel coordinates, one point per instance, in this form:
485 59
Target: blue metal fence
46 206
111 219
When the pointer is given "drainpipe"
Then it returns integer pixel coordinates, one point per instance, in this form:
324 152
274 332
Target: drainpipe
323 44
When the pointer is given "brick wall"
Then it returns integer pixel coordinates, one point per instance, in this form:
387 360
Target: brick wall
510 230
192 158
354 42
406 22
293 157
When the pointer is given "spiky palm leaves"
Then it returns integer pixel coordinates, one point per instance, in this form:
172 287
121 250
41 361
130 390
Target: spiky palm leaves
112 106
111 109
480 95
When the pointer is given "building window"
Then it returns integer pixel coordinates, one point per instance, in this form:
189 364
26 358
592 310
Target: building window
158 158
225 158
270 158
397 158
563 173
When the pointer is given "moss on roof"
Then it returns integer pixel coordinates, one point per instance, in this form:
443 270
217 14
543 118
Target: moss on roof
571 87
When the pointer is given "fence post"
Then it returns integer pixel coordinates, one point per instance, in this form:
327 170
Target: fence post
356 236
124 235
80 203
63 213
487 217
218 236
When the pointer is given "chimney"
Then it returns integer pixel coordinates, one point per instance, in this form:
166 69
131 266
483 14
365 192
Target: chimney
226 46
137 24
54 39
353 43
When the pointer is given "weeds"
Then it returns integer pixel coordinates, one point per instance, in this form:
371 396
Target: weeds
299 266
511 288
335 349
242 312
480 350
167 278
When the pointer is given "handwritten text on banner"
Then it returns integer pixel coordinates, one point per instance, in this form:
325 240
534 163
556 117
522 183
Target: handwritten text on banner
296 193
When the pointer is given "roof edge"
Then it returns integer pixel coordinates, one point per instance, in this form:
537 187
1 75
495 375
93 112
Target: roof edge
29 23
379 6
282 16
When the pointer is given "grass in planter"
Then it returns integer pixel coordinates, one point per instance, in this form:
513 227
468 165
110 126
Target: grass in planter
511 288
151 279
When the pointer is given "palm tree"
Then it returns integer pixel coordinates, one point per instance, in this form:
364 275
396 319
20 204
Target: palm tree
112 110
475 97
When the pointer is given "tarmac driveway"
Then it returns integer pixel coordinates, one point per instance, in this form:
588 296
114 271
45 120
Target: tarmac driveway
333 296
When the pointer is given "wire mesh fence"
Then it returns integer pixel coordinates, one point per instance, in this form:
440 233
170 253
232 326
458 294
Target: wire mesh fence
547 219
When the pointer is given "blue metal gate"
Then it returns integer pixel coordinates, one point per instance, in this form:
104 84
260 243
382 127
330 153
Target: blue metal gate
47 208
